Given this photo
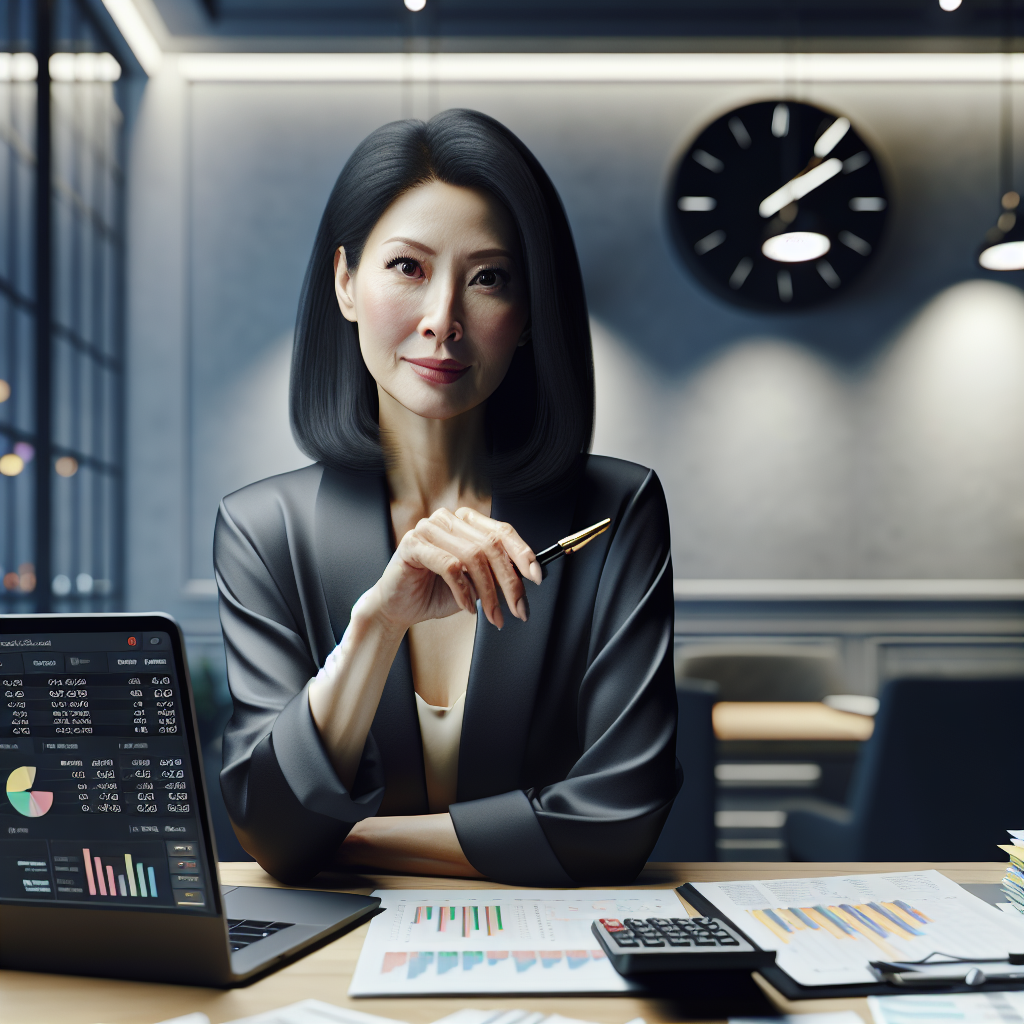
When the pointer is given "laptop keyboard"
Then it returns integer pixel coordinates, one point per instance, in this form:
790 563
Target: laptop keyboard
245 932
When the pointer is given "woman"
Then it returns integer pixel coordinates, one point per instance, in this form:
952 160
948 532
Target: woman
474 719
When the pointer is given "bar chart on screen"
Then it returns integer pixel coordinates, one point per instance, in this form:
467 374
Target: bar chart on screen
103 871
826 930
498 940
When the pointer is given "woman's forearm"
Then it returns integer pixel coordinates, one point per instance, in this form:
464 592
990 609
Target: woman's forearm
344 696
417 844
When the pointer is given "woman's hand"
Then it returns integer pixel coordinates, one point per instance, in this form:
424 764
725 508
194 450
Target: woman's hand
445 563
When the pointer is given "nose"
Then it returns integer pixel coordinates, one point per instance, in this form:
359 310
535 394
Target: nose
442 320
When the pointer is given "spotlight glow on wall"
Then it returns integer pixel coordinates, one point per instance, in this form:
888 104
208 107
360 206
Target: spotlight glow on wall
415 5
950 5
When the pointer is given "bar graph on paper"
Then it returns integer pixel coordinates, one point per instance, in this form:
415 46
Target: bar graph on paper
493 941
826 930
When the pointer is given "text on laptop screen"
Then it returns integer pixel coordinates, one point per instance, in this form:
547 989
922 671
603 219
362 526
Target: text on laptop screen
100 805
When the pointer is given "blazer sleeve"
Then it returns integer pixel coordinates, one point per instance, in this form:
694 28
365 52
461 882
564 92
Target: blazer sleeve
287 805
602 820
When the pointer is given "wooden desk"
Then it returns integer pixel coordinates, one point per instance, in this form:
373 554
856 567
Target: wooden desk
27 998
787 720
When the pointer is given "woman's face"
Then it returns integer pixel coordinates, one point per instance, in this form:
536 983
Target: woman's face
439 297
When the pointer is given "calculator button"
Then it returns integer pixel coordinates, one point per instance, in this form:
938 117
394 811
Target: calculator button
727 940
673 941
611 924
650 940
623 938
703 941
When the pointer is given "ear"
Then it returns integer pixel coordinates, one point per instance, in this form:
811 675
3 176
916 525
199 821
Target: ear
526 336
344 286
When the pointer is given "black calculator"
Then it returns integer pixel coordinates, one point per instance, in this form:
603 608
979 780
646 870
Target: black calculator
641 945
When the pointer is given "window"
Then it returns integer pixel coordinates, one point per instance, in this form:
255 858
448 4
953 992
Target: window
61 329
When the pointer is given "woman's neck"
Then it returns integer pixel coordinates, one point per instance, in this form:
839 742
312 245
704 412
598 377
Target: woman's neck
431 464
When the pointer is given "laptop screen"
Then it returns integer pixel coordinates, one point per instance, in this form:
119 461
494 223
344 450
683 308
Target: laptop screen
102 806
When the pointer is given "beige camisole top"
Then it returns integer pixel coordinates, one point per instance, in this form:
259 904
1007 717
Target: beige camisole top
441 732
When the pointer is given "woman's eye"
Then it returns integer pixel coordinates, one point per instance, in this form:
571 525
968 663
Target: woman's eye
406 267
490 278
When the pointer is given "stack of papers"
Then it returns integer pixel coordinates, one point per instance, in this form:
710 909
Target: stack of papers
313 1011
825 931
1013 883
969 1007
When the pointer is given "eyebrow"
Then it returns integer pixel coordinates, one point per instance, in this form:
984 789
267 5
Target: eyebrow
479 255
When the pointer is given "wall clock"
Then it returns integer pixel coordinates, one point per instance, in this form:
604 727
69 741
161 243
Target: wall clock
778 204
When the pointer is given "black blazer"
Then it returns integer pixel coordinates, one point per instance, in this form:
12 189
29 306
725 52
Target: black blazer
567 765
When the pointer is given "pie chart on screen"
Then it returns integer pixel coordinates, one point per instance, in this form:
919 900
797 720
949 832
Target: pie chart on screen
33 803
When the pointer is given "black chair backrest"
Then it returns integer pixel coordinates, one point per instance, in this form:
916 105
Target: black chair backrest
939 779
689 833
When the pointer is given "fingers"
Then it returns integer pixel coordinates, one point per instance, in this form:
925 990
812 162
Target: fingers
516 548
444 564
483 559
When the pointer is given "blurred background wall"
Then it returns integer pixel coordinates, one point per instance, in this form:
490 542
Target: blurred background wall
877 436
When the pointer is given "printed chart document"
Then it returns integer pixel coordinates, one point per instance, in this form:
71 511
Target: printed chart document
969 1007
825 930
463 941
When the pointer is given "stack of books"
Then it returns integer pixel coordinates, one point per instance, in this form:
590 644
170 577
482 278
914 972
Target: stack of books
1013 883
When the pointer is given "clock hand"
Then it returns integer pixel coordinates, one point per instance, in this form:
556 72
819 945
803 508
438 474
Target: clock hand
799 186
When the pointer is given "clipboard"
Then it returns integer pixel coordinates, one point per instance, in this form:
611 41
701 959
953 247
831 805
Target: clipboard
793 990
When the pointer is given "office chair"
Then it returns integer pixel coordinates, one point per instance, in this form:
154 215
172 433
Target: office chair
689 832
938 780
784 674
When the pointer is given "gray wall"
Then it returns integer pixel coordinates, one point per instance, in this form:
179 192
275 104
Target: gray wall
879 436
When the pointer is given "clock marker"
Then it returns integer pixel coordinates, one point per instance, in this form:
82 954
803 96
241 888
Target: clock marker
828 274
867 204
831 137
697 204
705 159
780 121
741 273
854 242
856 162
785 283
796 246
739 132
709 242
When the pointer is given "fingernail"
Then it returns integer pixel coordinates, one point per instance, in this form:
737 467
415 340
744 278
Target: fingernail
522 609
535 572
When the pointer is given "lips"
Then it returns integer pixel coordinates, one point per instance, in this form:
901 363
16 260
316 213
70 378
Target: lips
438 371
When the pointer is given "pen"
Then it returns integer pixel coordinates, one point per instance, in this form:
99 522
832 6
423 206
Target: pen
567 545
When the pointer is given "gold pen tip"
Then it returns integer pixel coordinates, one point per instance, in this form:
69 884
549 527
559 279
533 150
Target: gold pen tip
575 541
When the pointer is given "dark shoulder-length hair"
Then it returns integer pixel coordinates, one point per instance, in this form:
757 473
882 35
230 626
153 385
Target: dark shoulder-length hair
541 416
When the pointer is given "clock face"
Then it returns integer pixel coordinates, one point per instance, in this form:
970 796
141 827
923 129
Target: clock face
778 204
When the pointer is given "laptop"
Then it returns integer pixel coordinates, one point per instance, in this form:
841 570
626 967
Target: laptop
108 864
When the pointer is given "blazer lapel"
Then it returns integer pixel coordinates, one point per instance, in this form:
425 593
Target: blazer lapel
353 546
506 667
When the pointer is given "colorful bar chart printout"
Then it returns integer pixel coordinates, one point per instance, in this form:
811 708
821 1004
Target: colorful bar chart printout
826 930
494 941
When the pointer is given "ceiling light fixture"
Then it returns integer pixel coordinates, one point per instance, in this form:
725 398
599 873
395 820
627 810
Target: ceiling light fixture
1003 247
950 5
415 5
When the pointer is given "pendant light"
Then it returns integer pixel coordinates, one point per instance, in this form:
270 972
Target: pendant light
1003 247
